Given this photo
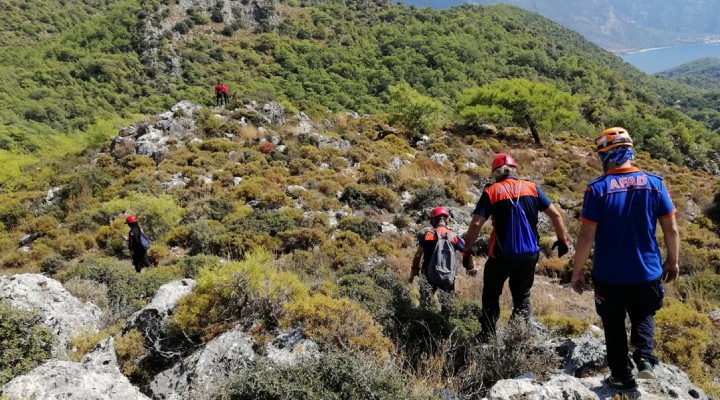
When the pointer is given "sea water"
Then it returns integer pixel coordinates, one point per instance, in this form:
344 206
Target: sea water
656 60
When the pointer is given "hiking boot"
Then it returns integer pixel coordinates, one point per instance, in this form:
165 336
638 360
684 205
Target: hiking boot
138 268
628 383
645 369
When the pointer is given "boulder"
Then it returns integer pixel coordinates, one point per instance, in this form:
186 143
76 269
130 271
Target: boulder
60 311
302 124
291 348
227 354
670 383
557 387
584 355
336 143
151 321
440 158
185 107
715 315
96 377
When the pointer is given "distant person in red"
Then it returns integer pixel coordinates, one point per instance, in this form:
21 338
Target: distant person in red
226 90
219 94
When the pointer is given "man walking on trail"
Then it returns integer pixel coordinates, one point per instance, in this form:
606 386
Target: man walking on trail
620 213
427 245
514 205
219 92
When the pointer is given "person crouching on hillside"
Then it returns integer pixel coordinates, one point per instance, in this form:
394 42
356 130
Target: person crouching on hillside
514 205
138 245
437 263
619 215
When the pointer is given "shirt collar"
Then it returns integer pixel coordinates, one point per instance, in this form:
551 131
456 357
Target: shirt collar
626 170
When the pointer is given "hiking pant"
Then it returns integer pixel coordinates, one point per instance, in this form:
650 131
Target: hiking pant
521 274
218 99
225 98
639 301
427 290
140 259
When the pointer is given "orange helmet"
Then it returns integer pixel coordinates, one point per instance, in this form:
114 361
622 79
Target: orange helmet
130 219
438 211
503 159
611 138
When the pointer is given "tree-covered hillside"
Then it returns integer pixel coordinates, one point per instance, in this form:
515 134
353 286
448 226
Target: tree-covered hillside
139 58
703 73
619 25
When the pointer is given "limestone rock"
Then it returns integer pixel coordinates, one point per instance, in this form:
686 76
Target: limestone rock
151 321
291 348
557 387
225 355
60 311
96 377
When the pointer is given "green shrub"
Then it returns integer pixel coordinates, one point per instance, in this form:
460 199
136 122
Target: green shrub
191 265
52 264
383 197
353 197
300 239
347 248
565 326
346 376
25 342
367 229
246 292
682 336
338 324
128 291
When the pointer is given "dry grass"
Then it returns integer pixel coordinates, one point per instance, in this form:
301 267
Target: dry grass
548 298
249 133
422 169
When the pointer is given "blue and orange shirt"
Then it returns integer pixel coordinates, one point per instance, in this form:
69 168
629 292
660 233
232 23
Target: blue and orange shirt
496 201
427 240
625 205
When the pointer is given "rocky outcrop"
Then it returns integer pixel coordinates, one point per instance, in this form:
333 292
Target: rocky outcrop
583 375
152 139
226 355
152 320
60 311
96 377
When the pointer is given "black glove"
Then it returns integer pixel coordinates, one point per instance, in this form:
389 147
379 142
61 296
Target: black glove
561 246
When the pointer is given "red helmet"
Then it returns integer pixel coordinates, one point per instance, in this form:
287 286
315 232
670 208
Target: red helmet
130 219
503 159
439 211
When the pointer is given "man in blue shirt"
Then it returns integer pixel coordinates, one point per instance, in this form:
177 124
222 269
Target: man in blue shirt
513 204
619 215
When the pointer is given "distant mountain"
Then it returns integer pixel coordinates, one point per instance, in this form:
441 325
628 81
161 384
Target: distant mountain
621 25
703 73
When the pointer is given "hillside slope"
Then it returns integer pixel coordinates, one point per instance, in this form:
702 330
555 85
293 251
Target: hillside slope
703 73
621 25
336 203
141 58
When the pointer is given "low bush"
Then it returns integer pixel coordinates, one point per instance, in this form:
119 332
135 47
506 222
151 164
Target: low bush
247 292
191 265
301 239
347 248
682 336
565 326
128 291
25 342
367 229
338 324
516 350
346 376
